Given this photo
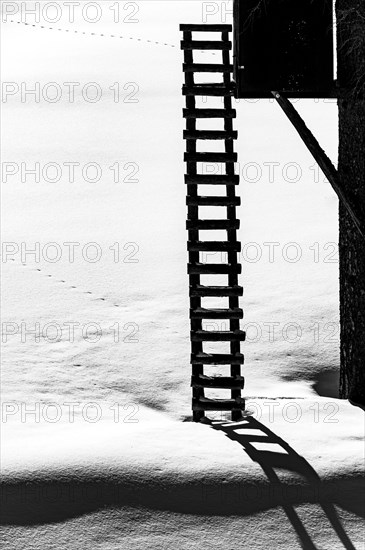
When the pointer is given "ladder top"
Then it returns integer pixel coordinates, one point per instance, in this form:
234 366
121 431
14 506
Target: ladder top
204 27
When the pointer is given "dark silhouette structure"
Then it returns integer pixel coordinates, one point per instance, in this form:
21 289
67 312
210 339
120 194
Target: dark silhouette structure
283 45
227 325
282 49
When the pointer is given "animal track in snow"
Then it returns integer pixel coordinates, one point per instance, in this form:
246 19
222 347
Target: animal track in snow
72 287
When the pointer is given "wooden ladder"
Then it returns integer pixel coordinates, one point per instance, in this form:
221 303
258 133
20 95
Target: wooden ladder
230 224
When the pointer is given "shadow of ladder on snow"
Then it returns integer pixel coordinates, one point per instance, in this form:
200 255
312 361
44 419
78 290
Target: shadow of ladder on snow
290 461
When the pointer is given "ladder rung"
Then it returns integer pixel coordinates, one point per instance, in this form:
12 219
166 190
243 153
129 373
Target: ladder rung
210 157
206 68
215 90
200 179
202 313
218 336
212 224
205 45
213 201
200 269
202 381
214 246
217 359
209 113
205 404
210 134
201 290
206 27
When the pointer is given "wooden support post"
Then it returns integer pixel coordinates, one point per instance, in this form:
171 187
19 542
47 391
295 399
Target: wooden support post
321 158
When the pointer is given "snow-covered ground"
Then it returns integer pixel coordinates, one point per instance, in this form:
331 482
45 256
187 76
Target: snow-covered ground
106 461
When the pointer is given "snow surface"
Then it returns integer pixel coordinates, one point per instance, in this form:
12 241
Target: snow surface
160 482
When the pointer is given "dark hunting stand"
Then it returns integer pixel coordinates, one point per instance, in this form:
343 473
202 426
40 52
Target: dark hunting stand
282 49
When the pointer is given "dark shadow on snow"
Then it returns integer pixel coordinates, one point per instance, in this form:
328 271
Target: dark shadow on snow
288 460
327 382
60 495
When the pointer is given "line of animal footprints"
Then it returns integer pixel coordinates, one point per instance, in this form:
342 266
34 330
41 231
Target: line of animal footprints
76 31
72 287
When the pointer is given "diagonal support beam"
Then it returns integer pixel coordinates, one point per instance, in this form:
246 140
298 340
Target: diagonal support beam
321 158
